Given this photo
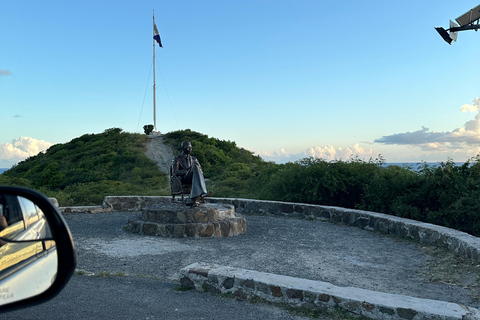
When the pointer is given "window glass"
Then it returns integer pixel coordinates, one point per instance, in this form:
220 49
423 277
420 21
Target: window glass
10 209
11 219
29 210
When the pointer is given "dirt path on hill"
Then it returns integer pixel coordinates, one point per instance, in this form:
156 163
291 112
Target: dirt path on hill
160 153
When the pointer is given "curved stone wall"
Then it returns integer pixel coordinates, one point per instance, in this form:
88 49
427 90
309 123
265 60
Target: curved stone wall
457 241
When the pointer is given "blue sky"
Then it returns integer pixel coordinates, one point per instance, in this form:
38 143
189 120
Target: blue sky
285 79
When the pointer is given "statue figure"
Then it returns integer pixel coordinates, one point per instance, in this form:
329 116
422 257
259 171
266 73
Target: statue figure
188 169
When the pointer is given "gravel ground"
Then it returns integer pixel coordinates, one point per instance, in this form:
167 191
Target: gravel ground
341 255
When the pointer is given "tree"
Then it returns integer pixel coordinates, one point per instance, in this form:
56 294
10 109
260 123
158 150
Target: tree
148 128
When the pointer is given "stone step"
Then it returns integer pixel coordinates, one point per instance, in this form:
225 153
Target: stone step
247 284
180 221
180 213
217 229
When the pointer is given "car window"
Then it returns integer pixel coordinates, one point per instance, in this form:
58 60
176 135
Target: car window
29 209
11 218
13 253
10 209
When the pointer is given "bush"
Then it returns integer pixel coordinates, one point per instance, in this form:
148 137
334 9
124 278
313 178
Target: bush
148 128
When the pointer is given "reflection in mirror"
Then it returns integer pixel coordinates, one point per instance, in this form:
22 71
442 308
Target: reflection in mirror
28 255
26 269
21 220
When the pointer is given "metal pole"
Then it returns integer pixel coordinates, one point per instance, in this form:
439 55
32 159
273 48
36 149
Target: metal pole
154 85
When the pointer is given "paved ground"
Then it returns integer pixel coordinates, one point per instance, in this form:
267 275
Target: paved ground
133 297
341 255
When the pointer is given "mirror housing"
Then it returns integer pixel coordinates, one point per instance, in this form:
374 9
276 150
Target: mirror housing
65 250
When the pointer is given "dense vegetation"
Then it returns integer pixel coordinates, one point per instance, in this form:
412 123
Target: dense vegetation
445 194
228 169
92 166
86 169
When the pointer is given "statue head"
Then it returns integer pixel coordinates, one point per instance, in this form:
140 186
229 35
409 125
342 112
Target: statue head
186 147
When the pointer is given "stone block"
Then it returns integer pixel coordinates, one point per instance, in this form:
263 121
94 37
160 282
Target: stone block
336 216
234 227
211 215
178 231
151 216
363 222
368 306
298 208
135 226
190 216
212 278
352 306
228 283
117 206
250 284
406 313
309 296
403 230
206 231
413 232
294 294
382 225
244 224
169 229
388 311
286 208
181 217
191 230
276 291
325 213
262 287
239 294
200 271
199 216
217 230
162 231
225 228
149 229
187 282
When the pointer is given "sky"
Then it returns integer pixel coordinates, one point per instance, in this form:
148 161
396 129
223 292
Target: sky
285 79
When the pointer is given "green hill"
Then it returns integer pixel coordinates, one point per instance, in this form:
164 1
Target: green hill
86 169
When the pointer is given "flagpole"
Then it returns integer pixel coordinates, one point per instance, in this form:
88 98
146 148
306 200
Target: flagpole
154 85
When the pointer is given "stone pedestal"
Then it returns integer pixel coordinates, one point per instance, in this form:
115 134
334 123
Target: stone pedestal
180 221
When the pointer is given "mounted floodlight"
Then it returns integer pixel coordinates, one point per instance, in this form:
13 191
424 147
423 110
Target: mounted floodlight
467 21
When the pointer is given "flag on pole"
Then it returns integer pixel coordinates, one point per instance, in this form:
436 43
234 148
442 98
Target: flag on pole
156 35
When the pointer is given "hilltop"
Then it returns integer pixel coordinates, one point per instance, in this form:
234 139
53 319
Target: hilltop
114 162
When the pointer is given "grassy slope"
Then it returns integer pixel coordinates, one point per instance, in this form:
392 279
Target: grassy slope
84 170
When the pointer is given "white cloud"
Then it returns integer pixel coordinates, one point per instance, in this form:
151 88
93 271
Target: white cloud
328 153
22 148
458 140
472 108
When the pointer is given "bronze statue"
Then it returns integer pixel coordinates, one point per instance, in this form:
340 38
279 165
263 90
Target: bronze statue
188 169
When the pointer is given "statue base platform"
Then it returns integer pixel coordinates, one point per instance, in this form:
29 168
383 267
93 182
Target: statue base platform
177 220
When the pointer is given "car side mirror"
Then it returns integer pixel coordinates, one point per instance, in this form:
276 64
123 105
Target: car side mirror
37 254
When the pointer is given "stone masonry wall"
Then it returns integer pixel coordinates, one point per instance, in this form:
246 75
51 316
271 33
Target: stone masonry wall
457 241
249 284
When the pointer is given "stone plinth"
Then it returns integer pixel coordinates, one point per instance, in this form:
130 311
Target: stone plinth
180 221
